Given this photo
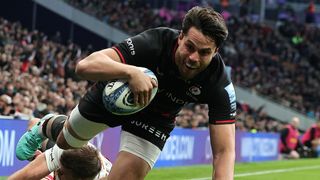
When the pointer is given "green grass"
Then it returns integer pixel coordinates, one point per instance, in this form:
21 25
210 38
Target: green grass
204 171
312 171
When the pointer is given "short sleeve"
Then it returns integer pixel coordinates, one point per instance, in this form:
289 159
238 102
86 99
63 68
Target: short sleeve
139 50
222 106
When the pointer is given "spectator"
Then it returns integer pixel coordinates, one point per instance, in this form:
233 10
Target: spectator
289 139
5 105
311 138
28 62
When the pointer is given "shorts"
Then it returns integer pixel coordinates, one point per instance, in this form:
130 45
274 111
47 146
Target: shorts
142 134
139 124
143 125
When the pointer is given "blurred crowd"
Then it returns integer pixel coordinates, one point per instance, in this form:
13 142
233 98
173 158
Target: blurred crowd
255 120
306 40
301 1
36 73
193 116
248 119
258 54
131 16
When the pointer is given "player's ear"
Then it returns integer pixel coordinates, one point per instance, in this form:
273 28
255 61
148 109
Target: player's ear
181 36
215 51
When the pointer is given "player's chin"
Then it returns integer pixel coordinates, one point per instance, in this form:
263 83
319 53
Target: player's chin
187 73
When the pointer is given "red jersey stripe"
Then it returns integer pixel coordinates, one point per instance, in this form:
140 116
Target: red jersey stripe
120 54
224 121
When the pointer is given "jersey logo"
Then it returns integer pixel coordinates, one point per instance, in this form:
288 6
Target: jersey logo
172 97
195 90
130 46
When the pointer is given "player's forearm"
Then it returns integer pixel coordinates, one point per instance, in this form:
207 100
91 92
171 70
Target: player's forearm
224 165
22 174
36 169
100 67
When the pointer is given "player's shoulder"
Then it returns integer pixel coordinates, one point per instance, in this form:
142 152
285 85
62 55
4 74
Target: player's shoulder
164 31
219 74
161 33
155 41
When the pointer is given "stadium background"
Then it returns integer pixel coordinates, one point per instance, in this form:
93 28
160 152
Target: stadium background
271 53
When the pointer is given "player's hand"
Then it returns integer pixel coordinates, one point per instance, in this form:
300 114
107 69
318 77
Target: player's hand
141 86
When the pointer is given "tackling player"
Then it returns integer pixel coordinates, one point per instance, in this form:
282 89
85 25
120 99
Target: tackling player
85 163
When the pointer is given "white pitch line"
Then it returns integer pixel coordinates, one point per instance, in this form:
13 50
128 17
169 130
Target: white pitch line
265 172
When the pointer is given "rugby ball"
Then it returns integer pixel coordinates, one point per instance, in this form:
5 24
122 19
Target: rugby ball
118 98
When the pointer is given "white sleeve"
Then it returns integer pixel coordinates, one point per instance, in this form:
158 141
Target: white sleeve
53 158
105 169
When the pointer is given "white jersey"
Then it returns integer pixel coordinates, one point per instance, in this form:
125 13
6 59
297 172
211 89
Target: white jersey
105 169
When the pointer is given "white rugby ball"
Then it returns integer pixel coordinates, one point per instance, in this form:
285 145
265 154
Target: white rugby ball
118 98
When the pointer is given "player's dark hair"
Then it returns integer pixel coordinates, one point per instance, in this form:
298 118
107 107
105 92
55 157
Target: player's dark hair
84 163
208 21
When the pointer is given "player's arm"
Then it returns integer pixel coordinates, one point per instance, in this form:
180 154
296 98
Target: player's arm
223 148
104 65
222 111
36 169
121 60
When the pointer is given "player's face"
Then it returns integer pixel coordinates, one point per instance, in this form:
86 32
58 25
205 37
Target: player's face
194 53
